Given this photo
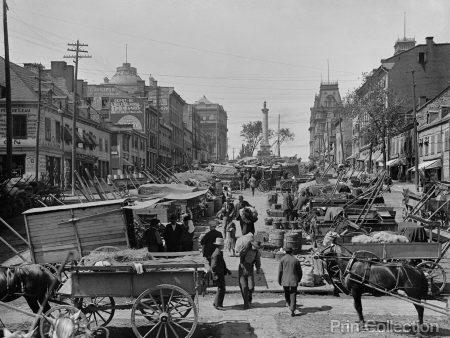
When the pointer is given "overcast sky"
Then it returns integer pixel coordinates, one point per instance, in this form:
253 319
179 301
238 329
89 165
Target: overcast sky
237 53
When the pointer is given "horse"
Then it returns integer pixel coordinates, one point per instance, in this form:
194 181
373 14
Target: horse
32 281
362 275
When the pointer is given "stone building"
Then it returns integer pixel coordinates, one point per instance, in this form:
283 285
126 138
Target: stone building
433 134
213 121
192 122
55 127
431 66
322 129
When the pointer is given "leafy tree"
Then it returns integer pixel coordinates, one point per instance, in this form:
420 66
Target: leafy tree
285 136
380 113
252 134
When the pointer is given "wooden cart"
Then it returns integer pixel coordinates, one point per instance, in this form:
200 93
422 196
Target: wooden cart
163 295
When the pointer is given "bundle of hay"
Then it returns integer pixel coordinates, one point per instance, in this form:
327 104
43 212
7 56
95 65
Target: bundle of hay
389 237
380 237
101 258
364 239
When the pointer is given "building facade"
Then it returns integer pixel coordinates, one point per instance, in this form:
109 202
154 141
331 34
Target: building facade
322 129
213 121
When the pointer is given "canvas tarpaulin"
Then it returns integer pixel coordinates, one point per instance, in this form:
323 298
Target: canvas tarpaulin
160 190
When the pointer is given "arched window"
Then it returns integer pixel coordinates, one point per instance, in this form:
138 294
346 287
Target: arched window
330 101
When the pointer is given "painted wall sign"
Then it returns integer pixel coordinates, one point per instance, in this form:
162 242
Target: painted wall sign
128 111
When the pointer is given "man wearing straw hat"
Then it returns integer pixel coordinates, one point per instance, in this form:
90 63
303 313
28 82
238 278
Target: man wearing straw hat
249 258
289 275
219 270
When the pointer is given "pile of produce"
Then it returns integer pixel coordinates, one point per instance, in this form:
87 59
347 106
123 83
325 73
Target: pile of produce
380 237
102 258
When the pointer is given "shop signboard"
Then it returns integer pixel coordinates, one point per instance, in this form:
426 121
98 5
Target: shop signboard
128 111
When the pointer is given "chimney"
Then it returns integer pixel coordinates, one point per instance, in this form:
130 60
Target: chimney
32 67
106 80
429 40
60 69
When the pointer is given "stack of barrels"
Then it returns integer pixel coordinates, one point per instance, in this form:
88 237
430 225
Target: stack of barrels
293 240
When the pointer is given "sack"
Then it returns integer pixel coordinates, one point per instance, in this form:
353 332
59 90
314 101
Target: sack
308 276
243 243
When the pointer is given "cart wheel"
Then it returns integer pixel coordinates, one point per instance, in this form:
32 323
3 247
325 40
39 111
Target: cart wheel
99 310
435 276
46 327
167 310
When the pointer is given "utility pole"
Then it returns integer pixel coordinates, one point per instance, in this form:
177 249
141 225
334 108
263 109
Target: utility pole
77 56
342 138
416 136
38 124
9 122
233 153
217 138
278 141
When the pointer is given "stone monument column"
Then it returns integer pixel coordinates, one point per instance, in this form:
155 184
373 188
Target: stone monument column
265 146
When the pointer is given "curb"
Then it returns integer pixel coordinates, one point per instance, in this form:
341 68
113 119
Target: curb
303 291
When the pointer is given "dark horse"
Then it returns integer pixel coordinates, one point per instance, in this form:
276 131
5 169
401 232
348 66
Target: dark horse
31 281
361 273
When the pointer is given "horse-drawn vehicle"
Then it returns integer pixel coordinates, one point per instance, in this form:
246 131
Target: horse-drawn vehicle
164 288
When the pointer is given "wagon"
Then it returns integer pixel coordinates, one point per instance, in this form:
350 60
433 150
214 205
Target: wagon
163 295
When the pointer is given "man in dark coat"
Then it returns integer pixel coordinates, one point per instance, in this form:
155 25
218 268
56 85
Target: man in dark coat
289 275
238 206
288 206
187 233
219 270
248 259
208 241
172 234
152 238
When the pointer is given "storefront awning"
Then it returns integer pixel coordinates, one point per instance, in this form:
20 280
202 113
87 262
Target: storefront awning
351 157
395 162
363 158
126 162
428 165
375 156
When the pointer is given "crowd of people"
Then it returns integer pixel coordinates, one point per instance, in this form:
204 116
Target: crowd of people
177 236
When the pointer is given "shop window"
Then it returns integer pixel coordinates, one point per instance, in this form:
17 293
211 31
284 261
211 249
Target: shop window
100 144
106 146
48 129
439 144
58 131
432 145
446 140
19 126
114 140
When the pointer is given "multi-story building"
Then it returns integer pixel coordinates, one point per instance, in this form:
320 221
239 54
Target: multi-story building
324 115
431 67
188 146
213 121
55 127
192 121
433 135
165 144
170 106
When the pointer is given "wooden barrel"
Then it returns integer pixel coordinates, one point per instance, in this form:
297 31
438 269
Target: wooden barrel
277 223
286 225
276 237
219 188
293 240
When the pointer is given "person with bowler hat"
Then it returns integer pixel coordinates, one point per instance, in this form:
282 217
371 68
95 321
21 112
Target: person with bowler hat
219 270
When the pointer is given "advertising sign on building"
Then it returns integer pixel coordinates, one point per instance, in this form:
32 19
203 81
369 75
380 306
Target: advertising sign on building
128 111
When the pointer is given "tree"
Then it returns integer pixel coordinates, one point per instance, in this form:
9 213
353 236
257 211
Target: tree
252 134
285 136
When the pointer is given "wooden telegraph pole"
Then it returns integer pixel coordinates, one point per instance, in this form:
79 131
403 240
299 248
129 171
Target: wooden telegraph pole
416 136
9 124
77 56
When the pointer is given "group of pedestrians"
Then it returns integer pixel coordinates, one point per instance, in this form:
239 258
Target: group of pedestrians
294 203
178 236
248 251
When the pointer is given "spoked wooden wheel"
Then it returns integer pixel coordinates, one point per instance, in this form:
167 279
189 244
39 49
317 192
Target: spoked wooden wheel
46 325
167 311
98 310
435 275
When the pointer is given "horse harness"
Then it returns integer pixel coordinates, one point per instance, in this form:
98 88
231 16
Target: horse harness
14 281
363 278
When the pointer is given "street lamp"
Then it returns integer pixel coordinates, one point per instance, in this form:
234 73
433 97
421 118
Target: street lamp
63 173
